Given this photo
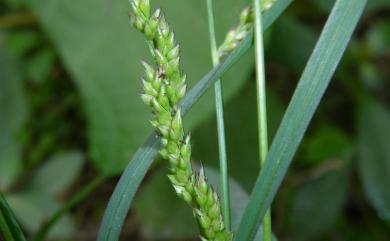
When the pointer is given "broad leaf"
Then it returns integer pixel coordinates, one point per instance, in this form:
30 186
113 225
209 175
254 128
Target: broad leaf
317 205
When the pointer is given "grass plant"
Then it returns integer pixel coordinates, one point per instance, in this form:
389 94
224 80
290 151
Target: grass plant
165 92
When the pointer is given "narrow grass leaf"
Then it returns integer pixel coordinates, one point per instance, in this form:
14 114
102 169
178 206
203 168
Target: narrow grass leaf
314 81
9 219
218 97
131 178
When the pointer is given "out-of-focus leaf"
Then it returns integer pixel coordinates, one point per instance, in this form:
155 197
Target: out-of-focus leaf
13 113
374 155
38 200
102 53
324 5
18 43
10 161
375 5
372 76
36 206
378 38
291 43
326 143
15 3
13 109
317 204
38 67
57 174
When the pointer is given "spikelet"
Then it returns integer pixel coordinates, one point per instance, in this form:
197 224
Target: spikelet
237 34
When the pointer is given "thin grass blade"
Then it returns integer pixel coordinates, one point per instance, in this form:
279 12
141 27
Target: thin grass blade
311 87
8 223
131 178
223 169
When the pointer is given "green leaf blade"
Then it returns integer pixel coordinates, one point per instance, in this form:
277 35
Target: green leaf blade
311 87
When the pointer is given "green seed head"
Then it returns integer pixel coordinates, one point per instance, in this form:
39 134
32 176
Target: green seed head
246 15
144 6
164 86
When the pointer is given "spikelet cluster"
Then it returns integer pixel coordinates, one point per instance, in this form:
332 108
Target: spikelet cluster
238 33
164 86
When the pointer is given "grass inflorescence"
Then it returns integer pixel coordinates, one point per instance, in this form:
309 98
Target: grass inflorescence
164 87
237 34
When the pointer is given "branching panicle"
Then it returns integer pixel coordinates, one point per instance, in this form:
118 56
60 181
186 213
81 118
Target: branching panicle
164 87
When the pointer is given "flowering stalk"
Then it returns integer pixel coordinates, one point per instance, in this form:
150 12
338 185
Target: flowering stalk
164 86
237 34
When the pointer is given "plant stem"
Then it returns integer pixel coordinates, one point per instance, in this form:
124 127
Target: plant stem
220 121
77 198
261 105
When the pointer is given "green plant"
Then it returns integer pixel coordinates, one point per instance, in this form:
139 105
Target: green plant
273 170
164 92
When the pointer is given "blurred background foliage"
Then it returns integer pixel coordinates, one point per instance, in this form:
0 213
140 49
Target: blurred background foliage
70 112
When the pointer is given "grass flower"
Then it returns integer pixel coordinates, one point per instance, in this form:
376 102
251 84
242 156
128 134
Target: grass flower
164 87
238 33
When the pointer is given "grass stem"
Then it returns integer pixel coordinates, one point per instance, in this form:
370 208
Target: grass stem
220 121
261 104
